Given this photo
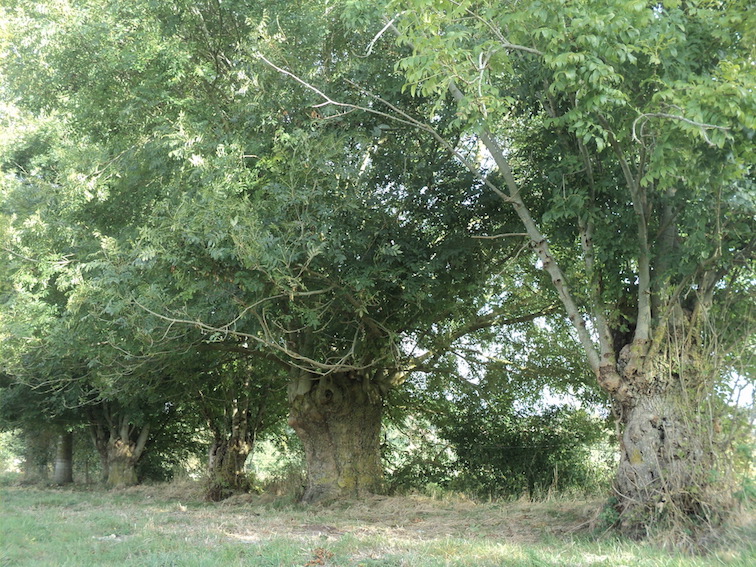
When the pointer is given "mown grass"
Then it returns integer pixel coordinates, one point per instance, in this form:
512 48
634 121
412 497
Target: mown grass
170 526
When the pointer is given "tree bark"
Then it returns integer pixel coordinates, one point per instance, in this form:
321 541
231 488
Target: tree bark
121 464
36 456
123 455
338 419
226 467
100 441
669 471
235 432
63 472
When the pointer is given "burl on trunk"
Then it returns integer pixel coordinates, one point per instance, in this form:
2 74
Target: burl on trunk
338 419
669 469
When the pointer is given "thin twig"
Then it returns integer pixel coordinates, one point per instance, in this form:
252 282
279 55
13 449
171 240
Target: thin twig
504 235
701 125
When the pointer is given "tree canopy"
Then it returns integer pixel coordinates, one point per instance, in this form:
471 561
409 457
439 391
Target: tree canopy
210 195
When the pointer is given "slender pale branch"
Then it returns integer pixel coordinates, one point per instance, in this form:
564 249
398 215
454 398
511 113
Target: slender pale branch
504 235
141 441
538 240
504 42
399 116
541 246
703 126
638 196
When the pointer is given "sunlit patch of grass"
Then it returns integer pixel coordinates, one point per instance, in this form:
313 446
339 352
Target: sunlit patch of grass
143 527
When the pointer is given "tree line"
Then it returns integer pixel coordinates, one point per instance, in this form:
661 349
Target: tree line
215 214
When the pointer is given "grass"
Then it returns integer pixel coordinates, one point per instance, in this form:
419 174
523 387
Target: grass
169 525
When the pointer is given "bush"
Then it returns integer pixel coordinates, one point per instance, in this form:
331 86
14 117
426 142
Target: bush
416 458
515 453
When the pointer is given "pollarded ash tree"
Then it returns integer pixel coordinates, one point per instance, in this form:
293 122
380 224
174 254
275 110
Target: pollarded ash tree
311 271
240 398
225 210
632 124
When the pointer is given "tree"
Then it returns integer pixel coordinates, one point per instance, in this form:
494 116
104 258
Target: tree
500 412
63 468
627 120
223 210
240 400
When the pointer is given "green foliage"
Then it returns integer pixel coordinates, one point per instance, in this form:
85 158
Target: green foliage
516 452
483 427
417 459
169 202
174 442
10 451
602 92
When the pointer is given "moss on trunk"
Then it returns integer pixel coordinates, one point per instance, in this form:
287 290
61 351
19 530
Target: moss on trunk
674 475
338 420
226 468
122 459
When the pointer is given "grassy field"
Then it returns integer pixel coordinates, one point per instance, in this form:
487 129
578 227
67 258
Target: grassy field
170 525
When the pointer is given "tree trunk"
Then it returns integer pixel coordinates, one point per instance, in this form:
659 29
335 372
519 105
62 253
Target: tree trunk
36 456
63 472
121 464
98 433
669 474
338 419
226 468
123 455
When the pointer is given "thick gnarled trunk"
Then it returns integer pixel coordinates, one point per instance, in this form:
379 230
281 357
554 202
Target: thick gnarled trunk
119 444
226 467
338 419
122 459
235 431
671 470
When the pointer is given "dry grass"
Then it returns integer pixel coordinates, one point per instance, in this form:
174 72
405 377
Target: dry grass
171 525
412 517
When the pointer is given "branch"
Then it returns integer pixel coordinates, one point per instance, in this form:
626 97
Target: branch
19 255
424 361
297 360
585 227
141 441
703 126
399 116
638 196
370 46
541 246
538 240
505 235
504 42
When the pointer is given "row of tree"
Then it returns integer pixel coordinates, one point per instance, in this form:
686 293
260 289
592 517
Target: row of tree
202 201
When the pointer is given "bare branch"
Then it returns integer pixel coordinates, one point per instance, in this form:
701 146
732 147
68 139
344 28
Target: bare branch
268 340
504 235
505 44
370 46
703 126
399 116
19 255
424 361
